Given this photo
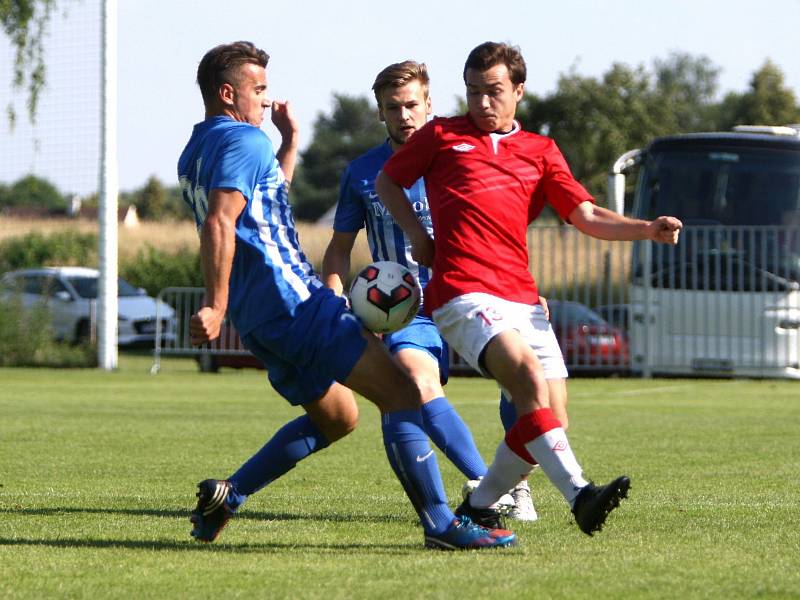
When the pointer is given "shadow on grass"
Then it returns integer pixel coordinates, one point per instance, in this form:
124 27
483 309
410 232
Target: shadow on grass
245 514
220 547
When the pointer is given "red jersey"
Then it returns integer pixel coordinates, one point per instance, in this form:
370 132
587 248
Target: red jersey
483 194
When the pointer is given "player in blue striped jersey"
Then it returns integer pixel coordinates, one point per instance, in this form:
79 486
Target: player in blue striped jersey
311 344
401 91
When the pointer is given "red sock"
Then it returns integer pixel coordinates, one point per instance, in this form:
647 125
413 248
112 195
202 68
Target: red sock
529 427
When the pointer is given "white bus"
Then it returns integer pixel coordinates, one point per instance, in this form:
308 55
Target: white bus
726 300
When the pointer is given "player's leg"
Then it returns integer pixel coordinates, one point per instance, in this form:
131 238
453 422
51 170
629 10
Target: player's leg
539 435
330 415
327 419
504 340
537 432
383 382
557 393
523 508
380 379
518 337
421 351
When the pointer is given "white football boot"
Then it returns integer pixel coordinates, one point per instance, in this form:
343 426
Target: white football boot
523 509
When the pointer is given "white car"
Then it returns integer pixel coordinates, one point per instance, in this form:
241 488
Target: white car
70 294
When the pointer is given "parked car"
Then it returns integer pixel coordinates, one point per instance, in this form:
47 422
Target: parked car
615 314
588 342
70 294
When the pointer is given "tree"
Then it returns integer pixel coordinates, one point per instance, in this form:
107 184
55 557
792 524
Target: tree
349 131
154 201
767 102
25 23
594 120
32 191
685 89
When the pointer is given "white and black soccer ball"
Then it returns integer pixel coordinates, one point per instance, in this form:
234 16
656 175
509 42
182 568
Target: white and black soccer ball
385 295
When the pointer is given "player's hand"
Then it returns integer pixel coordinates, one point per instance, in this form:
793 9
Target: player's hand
205 324
422 251
665 230
283 119
543 303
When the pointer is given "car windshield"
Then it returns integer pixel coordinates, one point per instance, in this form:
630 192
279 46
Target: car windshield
571 312
86 287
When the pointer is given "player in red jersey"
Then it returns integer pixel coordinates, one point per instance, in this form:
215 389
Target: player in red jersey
486 181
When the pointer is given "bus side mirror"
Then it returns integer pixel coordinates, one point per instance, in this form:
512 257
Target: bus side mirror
616 180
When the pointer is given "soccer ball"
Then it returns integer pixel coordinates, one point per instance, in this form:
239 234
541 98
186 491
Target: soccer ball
385 296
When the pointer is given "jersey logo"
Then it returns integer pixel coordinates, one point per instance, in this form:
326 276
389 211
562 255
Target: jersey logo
463 147
348 317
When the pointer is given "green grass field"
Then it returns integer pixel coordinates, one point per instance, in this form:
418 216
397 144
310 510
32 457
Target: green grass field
98 473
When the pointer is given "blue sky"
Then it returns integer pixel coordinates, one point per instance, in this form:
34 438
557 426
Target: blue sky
318 48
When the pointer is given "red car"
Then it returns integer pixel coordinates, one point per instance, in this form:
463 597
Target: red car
588 342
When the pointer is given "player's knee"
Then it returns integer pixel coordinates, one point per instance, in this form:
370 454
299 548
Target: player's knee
345 426
402 393
410 390
342 423
429 387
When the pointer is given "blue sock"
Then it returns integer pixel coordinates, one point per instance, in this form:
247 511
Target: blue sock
291 443
414 463
450 434
508 413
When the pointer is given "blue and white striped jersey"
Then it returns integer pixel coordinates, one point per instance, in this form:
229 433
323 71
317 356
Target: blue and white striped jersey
270 274
359 204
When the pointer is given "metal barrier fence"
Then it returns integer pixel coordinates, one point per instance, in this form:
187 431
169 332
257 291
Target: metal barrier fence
724 302
186 301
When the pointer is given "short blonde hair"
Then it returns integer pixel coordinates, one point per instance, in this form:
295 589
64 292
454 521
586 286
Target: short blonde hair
399 74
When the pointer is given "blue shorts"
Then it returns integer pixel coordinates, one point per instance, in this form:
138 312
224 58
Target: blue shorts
422 334
306 352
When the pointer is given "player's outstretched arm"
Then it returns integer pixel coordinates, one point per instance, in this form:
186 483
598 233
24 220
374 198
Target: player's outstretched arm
336 262
604 224
217 246
286 124
394 199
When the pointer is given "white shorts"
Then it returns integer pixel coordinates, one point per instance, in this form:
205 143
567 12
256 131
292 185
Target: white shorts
470 321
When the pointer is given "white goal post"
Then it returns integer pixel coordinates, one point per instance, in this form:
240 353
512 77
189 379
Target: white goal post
107 351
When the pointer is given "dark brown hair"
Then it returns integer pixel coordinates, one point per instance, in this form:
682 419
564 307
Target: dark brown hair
220 64
399 74
489 54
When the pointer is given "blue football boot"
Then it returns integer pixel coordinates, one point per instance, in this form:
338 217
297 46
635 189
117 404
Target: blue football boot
463 534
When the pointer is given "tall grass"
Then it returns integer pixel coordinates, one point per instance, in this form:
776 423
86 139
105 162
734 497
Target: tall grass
565 263
171 236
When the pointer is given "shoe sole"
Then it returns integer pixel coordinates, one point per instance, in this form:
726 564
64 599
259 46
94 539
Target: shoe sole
435 544
609 499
